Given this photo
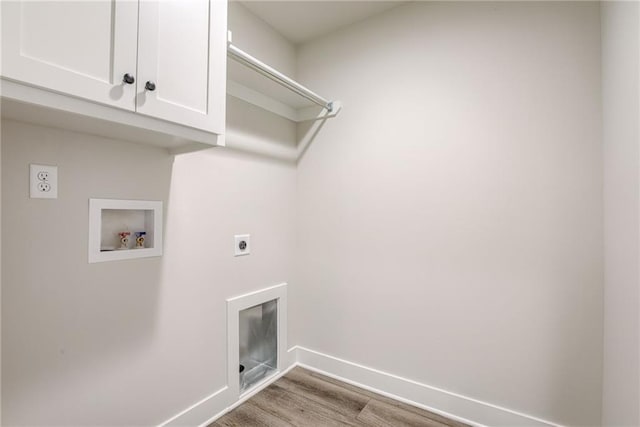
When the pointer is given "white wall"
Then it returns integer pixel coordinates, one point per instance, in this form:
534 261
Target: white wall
621 90
249 128
131 342
214 195
0 275
450 218
252 34
75 336
136 342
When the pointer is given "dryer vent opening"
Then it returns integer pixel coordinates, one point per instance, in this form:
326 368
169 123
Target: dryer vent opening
258 343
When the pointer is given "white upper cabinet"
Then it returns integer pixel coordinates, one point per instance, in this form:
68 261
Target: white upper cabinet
78 48
172 52
180 46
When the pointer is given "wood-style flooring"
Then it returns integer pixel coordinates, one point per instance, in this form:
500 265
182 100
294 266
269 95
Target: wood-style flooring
305 398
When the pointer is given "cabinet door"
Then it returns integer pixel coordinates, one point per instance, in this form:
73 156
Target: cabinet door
182 51
76 48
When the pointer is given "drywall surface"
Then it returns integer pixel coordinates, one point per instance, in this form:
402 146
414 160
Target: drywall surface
450 217
252 34
75 336
249 128
129 342
620 91
215 195
0 268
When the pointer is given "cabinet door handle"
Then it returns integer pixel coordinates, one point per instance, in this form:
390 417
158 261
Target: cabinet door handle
150 86
128 79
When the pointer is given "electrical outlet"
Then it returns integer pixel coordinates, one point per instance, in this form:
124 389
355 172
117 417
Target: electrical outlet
44 187
43 182
243 244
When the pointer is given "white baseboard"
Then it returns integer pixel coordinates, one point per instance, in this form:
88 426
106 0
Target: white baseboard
446 403
222 401
201 411
243 398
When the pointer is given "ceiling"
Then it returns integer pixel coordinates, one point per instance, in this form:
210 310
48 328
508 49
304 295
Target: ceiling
301 21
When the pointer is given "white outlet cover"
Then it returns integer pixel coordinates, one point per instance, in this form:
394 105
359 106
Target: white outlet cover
43 181
241 249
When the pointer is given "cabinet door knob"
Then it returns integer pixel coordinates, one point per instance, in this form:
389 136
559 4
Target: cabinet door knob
150 86
128 79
